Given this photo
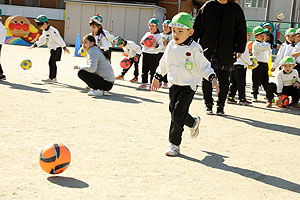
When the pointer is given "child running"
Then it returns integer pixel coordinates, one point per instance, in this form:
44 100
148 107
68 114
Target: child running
103 38
133 51
54 42
166 37
238 76
98 74
184 74
150 54
287 82
261 51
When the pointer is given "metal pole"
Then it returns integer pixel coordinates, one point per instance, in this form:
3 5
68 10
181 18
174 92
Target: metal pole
267 14
293 12
179 6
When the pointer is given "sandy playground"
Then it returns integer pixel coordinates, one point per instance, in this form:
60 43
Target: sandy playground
118 141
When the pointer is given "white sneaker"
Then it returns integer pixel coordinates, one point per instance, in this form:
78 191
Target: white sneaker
95 93
48 80
173 150
194 131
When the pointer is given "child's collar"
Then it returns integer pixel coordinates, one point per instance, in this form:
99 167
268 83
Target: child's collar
47 27
187 42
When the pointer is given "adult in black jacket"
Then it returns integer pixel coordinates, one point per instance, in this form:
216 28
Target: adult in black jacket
221 27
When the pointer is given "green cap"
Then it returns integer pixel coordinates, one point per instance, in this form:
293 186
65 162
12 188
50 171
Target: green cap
290 31
287 60
258 30
268 24
41 18
153 21
97 18
298 31
182 20
249 30
167 22
119 40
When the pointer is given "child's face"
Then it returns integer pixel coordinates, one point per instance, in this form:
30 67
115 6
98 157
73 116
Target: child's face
249 36
260 37
181 34
290 38
297 38
166 28
42 26
95 28
86 44
152 28
288 68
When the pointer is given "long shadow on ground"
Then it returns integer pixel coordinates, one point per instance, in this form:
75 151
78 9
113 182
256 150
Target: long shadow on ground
24 87
217 161
67 182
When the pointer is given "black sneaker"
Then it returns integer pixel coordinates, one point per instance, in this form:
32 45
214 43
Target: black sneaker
220 110
209 110
2 77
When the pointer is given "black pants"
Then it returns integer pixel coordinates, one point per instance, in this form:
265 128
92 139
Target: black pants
55 55
180 100
260 76
164 78
94 81
150 63
287 90
136 67
238 81
223 79
1 71
297 67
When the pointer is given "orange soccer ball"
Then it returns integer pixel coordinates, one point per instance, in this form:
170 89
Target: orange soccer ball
149 41
285 101
55 158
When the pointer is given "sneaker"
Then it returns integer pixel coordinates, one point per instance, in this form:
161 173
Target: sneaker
231 100
209 110
120 77
254 98
220 111
95 93
2 77
165 86
160 84
173 150
143 86
269 105
88 88
48 80
194 131
135 79
245 102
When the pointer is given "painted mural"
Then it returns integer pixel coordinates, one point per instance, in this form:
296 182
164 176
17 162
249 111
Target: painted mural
20 31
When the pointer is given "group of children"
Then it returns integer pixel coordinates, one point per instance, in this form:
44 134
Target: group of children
287 79
175 58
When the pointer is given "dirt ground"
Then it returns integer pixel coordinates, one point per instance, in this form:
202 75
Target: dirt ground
118 141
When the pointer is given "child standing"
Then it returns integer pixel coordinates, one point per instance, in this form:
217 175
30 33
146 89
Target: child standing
166 37
133 51
54 42
103 38
98 74
286 48
2 40
184 74
261 51
287 82
150 54
238 76
296 51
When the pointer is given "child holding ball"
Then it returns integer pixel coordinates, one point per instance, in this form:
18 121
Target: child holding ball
184 74
98 74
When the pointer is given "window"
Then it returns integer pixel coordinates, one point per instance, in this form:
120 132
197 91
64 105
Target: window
33 3
256 3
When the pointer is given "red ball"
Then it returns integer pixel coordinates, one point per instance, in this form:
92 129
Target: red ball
125 63
149 41
285 101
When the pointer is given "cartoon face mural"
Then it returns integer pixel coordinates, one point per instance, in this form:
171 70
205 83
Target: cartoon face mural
19 26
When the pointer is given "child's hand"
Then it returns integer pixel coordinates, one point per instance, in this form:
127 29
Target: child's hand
67 51
297 85
272 69
155 85
279 101
154 44
136 58
165 42
75 67
124 54
215 85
